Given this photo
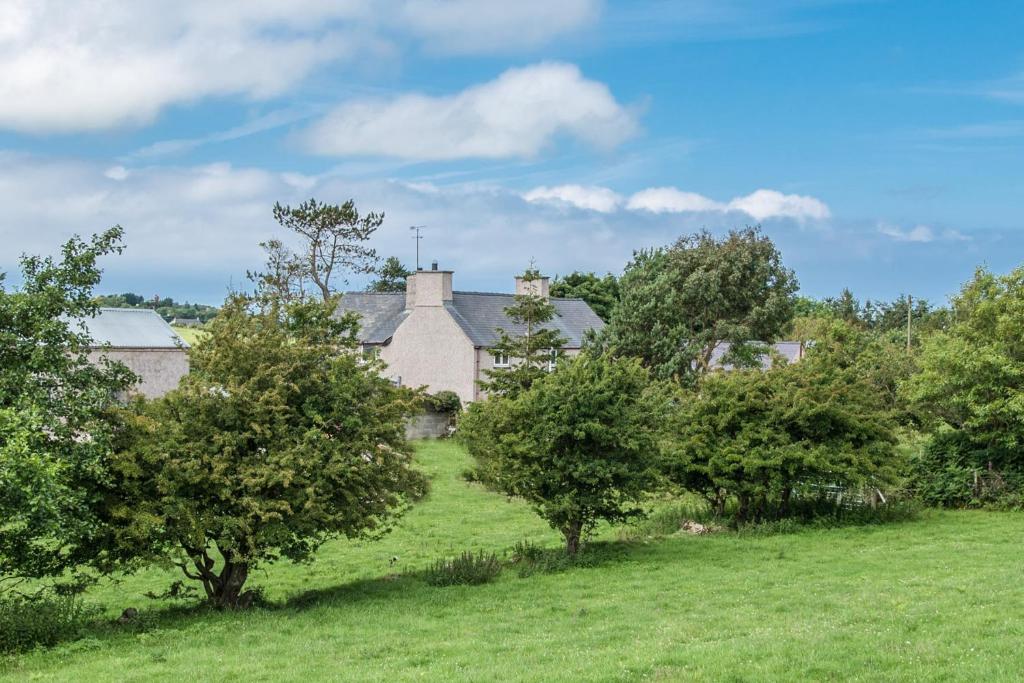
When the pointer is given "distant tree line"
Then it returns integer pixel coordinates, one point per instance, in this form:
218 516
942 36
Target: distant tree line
168 308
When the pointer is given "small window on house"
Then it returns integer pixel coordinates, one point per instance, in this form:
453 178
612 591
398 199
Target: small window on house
553 360
501 360
369 353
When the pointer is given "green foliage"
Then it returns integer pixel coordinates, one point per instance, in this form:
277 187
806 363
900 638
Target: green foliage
677 304
447 402
390 276
333 243
769 438
167 307
971 383
54 411
277 440
581 445
43 620
888 318
531 350
951 471
465 569
600 293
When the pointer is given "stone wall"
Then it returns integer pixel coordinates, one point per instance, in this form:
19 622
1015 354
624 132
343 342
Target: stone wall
159 369
428 425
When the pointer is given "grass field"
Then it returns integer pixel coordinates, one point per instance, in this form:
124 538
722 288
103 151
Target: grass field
935 599
191 335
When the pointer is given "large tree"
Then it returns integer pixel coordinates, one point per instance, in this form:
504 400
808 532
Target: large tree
764 438
279 439
55 411
600 293
332 243
531 349
971 383
391 276
678 303
581 445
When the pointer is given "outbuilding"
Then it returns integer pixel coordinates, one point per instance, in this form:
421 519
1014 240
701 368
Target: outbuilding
143 341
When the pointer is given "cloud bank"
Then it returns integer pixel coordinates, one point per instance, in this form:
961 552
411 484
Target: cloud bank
515 115
760 205
87 66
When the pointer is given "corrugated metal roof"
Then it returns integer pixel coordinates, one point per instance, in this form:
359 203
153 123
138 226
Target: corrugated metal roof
131 328
479 314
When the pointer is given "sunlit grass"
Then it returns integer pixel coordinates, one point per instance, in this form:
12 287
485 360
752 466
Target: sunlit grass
938 598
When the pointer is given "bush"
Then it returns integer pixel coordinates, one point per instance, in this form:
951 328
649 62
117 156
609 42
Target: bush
951 471
445 402
467 569
42 621
759 444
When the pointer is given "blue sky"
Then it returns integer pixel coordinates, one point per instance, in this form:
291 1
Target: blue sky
879 143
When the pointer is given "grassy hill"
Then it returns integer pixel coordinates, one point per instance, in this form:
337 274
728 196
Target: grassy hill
938 598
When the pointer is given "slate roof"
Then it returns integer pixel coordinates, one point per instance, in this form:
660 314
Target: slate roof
131 328
380 313
790 350
479 314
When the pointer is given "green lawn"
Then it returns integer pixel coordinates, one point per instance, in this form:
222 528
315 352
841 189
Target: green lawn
935 599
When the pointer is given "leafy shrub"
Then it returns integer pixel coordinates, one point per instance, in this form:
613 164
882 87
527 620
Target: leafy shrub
759 444
951 471
467 568
44 620
445 402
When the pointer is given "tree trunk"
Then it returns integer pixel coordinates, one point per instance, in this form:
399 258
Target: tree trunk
572 532
223 590
787 493
232 579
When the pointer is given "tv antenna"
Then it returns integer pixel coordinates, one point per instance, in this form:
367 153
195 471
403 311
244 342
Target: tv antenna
417 237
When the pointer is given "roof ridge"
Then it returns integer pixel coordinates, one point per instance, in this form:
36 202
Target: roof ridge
133 309
556 298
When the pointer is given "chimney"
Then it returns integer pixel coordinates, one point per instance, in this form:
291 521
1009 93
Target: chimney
538 287
428 287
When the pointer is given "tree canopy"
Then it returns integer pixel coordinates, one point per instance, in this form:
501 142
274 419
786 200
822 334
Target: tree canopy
600 293
390 276
678 303
580 445
531 352
332 242
279 439
55 403
766 438
972 374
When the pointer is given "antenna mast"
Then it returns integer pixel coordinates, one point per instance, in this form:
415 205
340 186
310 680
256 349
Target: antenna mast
417 237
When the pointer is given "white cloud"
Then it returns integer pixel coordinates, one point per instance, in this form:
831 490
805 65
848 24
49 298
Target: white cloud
762 204
515 115
920 233
582 197
759 205
193 231
116 173
83 66
671 200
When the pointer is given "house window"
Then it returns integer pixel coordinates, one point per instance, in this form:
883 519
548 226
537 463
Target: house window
369 353
553 360
501 360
